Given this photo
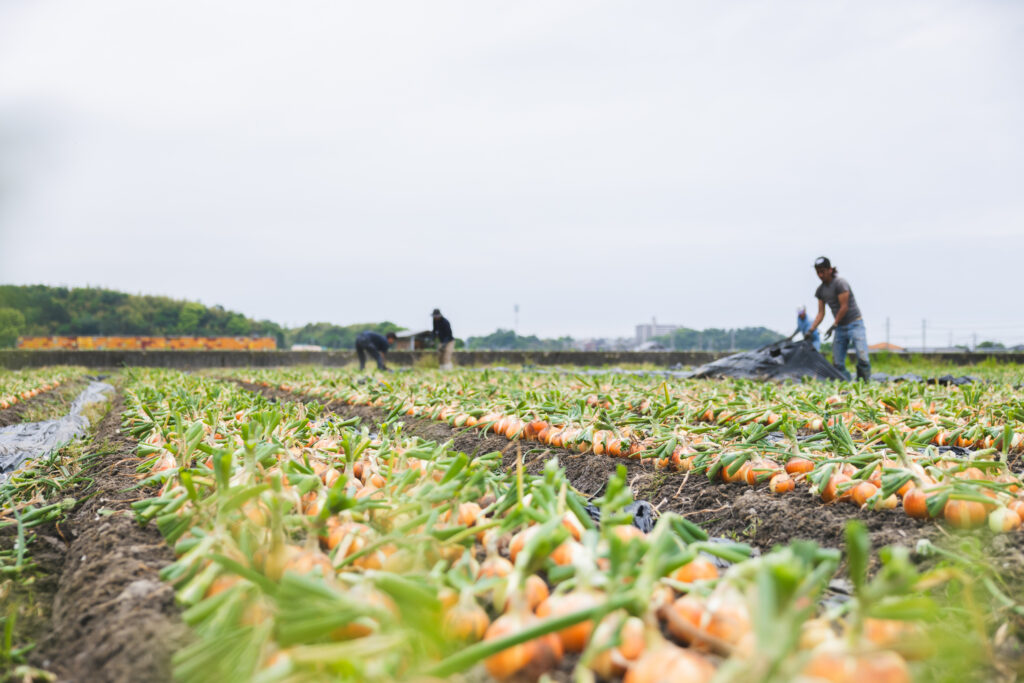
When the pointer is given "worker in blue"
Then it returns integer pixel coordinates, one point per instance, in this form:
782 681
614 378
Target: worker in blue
803 325
374 344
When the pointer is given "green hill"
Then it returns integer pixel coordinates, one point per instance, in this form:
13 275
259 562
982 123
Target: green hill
39 310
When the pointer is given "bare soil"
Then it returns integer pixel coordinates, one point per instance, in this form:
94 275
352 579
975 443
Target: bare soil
105 615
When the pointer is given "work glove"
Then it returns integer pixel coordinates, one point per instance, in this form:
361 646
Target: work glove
830 331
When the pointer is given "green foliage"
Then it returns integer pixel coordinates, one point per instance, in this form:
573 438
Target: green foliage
12 322
189 316
238 325
507 340
332 336
46 311
39 310
716 339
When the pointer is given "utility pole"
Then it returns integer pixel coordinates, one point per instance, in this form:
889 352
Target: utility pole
924 328
886 333
732 339
515 326
950 345
974 341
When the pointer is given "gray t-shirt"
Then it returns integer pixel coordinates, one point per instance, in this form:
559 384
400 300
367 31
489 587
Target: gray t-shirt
830 295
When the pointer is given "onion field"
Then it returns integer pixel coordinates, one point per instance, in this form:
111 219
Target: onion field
322 524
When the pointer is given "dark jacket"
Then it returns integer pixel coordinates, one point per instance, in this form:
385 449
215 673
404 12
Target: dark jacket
372 339
443 330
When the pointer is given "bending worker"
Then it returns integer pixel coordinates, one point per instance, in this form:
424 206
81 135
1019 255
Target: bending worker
376 345
446 342
803 326
849 325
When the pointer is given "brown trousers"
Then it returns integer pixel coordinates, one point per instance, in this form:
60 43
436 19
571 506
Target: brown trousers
444 355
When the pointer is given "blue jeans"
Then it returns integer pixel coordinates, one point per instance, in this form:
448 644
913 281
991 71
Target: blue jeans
856 333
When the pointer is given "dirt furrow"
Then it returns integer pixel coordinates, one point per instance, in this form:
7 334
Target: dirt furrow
45 406
112 618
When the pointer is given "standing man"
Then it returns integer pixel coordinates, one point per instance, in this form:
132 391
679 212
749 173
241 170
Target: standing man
803 326
376 345
446 342
849 325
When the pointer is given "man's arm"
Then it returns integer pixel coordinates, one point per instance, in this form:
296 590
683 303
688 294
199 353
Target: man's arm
818 318
844 305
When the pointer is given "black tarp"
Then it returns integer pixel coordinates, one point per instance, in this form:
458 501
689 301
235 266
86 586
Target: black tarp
642 511
917 379
781 360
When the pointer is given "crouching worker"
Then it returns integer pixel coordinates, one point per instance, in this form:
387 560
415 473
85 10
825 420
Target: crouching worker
376 345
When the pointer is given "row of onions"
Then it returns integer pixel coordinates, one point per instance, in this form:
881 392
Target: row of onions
311 548
874 446
21 385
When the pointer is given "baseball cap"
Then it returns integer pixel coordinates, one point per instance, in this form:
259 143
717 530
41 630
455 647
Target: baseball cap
822 262
436 311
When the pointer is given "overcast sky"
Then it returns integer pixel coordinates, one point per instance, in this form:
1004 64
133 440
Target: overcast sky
597 163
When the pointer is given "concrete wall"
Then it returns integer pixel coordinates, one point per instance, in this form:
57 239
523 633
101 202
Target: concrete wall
14 359
967 358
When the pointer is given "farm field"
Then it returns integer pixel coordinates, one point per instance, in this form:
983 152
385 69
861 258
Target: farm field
322 524
19 386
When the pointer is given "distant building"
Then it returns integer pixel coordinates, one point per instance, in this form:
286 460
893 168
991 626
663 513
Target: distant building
648 331
413 341
307 347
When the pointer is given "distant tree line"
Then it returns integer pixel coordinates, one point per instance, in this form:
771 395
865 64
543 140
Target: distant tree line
39 310
508 340
716 339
